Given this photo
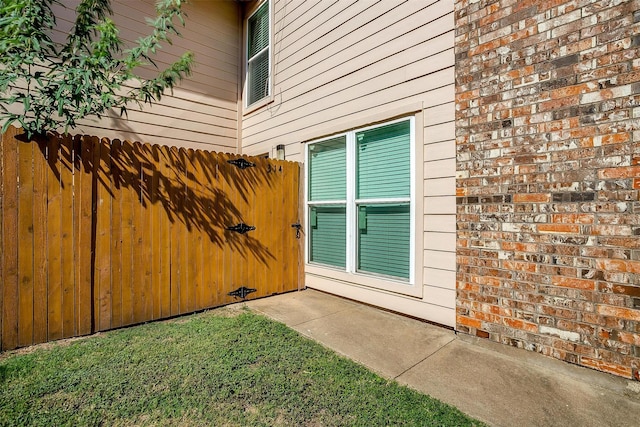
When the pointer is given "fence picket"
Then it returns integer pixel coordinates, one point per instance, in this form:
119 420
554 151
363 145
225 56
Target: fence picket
2 275
103 234
154 231
183 236
230 258
114 185
84 171
146 251
54 240
68 219
163 210
10 236
40 243
127 195
174 200
25 244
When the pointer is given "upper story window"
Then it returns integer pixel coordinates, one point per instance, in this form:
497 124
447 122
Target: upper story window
258 54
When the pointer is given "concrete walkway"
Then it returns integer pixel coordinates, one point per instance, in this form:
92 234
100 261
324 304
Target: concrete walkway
497 384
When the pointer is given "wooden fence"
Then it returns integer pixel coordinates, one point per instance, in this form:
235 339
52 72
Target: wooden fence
98 234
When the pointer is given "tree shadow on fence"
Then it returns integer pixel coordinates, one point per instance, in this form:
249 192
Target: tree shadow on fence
194 187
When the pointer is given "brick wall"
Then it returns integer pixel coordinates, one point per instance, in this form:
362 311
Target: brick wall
548 177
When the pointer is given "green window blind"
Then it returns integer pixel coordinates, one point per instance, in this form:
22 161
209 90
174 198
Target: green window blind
327 170
328 238
384 161
384 233
258 54
258 77
258 31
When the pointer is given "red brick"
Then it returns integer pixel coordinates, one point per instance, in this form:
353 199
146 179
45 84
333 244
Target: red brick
531 198
616 138
519 247
620 172
619 312
628 337
571 90
612 368
618 265
633 291
519 324
559 228
486 317
572 218
611 230
491 45
519 266
466 321
568 282
556 104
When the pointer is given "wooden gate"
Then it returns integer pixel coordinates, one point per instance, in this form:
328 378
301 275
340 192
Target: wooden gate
99 234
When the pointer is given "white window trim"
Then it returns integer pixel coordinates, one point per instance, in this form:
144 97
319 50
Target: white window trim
350 274
249 108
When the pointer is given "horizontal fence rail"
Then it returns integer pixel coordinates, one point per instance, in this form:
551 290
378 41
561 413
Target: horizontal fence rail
98 234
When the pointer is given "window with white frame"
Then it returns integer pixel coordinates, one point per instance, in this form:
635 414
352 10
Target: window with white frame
258 54
360 201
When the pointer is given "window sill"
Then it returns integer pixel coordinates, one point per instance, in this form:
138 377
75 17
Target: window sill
257 105
365 280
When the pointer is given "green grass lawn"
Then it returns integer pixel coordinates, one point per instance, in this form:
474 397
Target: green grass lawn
226 367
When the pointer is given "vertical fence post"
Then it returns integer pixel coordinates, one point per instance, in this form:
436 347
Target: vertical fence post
10 235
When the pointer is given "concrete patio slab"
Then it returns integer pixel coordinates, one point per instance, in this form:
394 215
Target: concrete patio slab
500 387
498 384
383 342
295 308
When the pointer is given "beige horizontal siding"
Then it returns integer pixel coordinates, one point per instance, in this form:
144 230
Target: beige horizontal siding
439 278
202 112
366 66
440 241
384 80
440 187
439 205
442 223
439 260
438 114
339 63
329 64
436 169
438 150
439 168
437 312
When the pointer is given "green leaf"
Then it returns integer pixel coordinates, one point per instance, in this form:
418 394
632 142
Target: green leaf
84 73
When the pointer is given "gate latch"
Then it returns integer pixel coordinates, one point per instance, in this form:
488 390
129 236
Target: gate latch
298 227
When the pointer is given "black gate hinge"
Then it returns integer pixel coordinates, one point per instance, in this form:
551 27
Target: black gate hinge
241 163
241 292
241 228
